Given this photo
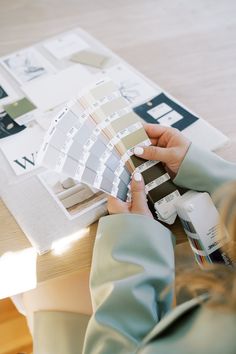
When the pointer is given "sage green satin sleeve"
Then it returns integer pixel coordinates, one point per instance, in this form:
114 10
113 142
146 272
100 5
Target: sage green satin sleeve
59 332
133 262
203 170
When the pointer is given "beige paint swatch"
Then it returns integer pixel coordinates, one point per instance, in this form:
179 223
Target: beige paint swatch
105 90
114 106
97 93
107 109
135 138
123 122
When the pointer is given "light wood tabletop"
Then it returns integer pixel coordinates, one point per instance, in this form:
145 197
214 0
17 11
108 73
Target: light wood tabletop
186 47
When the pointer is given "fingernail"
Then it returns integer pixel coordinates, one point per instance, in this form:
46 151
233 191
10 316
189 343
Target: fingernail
137 177
138 150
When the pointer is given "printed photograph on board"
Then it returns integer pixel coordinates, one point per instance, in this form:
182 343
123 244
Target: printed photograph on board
8 126
73 197
7 92
26 65
3 93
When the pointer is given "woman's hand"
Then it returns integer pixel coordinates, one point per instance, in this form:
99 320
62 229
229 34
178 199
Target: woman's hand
138 204
168 146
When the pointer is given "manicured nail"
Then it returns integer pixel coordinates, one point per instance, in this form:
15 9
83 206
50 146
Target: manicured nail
137 177
138 150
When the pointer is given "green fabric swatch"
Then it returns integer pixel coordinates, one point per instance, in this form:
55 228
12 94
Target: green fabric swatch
19 108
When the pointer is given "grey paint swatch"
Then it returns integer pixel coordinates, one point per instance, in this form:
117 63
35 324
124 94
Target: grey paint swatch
57 139
122 191
88 176
109 174
125 177
85 132
113 162
76 150
93 162
67 122
98 148
106 185
51 157
70 167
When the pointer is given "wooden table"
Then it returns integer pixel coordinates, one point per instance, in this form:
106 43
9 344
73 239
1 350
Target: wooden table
187 47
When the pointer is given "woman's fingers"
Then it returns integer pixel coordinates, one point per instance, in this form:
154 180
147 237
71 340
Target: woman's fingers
116 206
153 153
155 130
138 204
138 196
138 191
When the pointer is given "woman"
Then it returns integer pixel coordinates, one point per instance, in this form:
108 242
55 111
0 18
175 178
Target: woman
133 270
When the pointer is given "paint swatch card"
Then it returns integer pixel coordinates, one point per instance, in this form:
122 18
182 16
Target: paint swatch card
165 111
92 140
90 58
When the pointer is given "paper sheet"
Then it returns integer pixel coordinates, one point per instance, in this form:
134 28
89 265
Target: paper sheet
21 149
65 45
132 87
56 89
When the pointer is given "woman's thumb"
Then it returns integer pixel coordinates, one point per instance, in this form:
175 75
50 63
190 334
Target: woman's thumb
139 200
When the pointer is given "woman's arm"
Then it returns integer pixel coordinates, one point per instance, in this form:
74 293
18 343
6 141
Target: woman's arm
191 166
202 170
133 262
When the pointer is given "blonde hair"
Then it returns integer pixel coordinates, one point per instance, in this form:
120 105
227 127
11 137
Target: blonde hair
217 279
225 200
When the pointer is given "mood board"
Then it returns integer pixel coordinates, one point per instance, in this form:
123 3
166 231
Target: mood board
35 83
